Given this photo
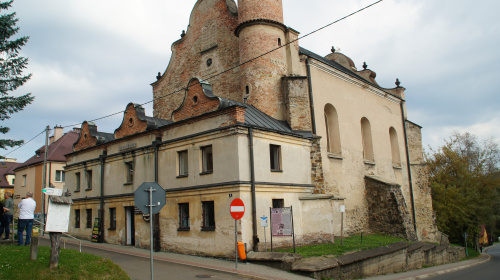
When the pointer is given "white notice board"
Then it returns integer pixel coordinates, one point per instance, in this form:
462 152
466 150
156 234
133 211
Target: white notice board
58 217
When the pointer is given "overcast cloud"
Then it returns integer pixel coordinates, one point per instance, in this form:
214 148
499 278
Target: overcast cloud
90 58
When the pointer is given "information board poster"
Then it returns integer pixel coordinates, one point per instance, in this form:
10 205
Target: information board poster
57 217
281 221
96 231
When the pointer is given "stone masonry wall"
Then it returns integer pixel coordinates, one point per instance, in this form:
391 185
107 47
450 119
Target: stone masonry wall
387 209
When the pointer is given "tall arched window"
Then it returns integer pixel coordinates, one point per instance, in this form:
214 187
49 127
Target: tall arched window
396 158
332 130
366 135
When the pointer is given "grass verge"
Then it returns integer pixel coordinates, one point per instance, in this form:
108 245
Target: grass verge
15 263
349 245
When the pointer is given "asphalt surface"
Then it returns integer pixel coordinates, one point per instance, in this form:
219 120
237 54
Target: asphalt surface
136 263
489 270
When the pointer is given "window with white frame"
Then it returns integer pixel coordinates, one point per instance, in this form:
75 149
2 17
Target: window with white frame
207 164
275 156
59 176
183 163
24 180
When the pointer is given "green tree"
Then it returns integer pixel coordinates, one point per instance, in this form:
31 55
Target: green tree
11 72
464 178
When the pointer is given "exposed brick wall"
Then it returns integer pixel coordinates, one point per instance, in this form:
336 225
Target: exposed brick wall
387 209
85 140
131 123
260 9
210 37
195 103
295 93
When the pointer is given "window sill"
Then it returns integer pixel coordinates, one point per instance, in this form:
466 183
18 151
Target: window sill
184 229
77 190
182 176
335 156
207 228
369 162
112 228
88 189
128 184
206 172
276 170
398 167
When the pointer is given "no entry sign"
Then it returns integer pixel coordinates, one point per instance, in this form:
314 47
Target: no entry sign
237 208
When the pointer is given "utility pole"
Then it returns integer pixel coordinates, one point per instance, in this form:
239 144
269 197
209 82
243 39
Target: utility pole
44 176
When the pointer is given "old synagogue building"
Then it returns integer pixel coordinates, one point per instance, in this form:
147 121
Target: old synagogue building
288 128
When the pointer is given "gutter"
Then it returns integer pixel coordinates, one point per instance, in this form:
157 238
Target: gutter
252 187
311 100
408 166
102 159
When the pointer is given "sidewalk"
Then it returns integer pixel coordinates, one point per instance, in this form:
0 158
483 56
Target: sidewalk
248 270
434 270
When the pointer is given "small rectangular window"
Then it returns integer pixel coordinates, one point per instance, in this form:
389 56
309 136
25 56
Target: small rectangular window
275 155
207 159
89 179
77 181
24 180
184 223
183 163
112 218
59 176
89 218
208 216
77 218
278 203
129 166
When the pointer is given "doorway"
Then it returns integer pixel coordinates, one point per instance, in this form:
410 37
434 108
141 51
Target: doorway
130 225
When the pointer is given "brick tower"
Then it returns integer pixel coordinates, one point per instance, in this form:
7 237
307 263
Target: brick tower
261 30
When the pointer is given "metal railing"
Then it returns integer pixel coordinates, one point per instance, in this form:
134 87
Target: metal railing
38 226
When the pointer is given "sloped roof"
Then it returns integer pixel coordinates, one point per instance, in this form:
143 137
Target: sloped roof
339 67
7 168
56 150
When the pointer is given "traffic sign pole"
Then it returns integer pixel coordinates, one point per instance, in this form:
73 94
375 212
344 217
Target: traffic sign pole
237 210
151 190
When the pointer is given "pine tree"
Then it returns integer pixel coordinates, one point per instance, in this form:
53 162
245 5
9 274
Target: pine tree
11 71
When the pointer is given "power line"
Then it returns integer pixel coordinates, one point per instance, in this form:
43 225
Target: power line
225 71
24 144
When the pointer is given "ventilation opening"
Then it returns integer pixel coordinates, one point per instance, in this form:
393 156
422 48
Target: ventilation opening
247 90
279 42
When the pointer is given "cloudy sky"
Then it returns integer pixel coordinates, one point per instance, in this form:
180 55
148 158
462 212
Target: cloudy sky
90 58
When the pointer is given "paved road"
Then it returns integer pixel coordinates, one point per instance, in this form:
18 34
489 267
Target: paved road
486 271
139 268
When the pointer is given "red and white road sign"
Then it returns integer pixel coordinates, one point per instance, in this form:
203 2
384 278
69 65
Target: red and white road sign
237 208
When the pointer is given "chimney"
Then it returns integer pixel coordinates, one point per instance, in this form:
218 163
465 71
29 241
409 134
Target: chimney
58 132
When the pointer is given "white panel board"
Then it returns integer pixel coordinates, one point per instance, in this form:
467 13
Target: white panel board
58 217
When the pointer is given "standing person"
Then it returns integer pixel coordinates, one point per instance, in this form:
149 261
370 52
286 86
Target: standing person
26 215
8 207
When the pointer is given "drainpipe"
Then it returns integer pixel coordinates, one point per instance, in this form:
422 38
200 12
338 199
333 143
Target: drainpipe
156 144
102 159
408 166
156 217
252 184
311 100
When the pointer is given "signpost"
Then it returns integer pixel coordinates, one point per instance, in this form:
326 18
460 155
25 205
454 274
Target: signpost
263 223
342 210
52 191
237 210
150 204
